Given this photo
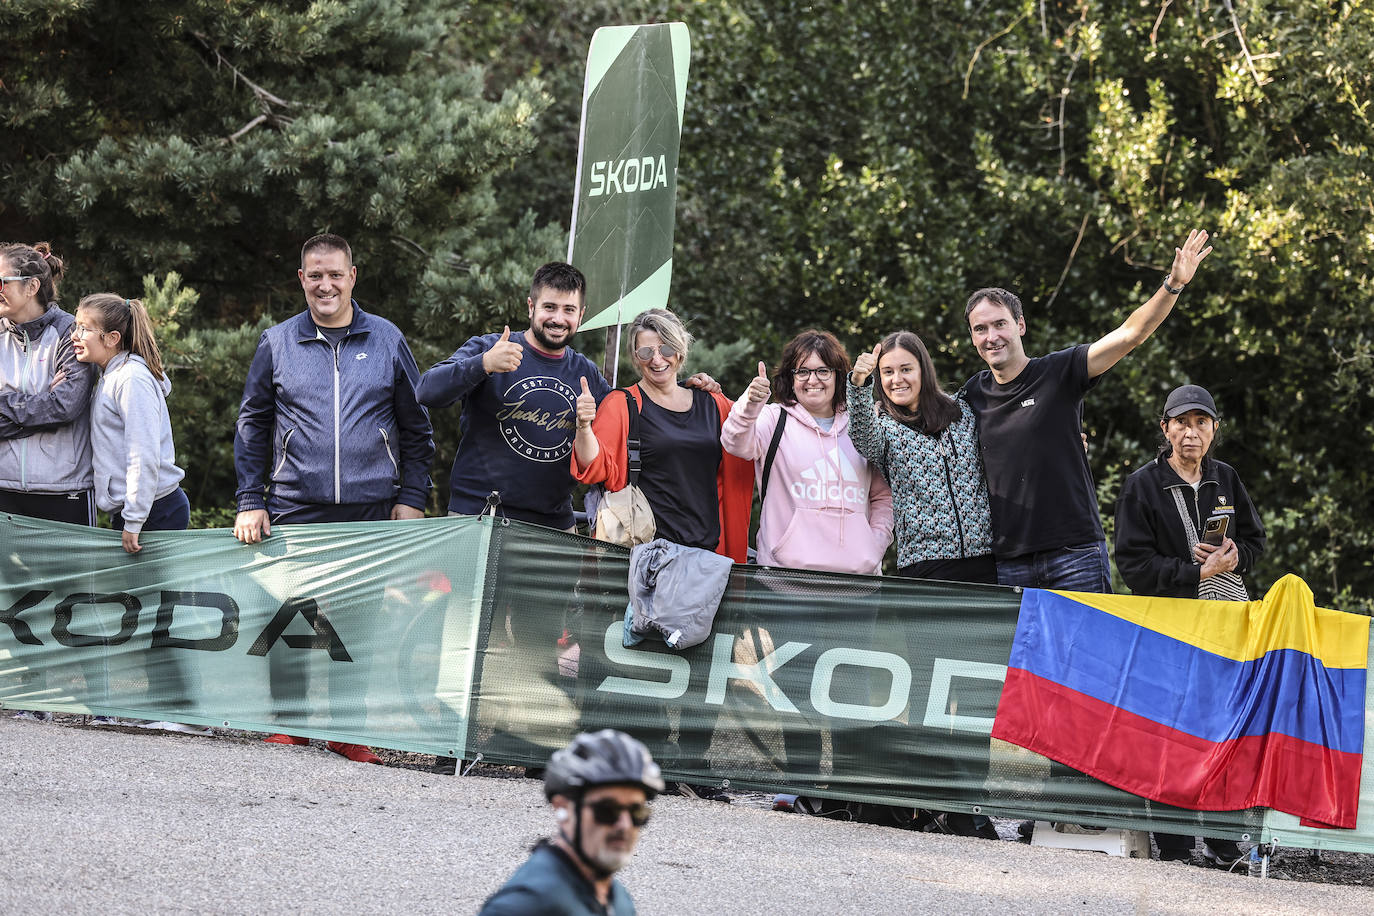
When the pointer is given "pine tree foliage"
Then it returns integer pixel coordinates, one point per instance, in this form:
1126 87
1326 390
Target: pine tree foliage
211 137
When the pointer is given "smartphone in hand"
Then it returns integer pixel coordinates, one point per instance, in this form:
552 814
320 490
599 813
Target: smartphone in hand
1214 531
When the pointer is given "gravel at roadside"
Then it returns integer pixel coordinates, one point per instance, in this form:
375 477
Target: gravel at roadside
127 820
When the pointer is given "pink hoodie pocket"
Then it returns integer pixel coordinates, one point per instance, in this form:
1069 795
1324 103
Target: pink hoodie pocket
829 540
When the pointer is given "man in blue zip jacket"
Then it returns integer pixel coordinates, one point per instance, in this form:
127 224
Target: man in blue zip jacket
329 429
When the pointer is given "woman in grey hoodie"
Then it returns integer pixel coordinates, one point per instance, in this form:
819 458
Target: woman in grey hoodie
136 477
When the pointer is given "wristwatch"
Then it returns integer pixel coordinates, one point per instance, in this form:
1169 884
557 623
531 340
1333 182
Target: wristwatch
1174 290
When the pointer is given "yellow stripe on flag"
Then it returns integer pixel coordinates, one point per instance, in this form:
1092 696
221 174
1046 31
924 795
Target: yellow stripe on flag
1286 618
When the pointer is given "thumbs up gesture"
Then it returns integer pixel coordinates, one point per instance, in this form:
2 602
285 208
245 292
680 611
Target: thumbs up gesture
865 364
586 406
760 387
504 355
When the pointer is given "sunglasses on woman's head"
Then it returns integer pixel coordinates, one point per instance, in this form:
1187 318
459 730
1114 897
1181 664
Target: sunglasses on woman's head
607 812
667 351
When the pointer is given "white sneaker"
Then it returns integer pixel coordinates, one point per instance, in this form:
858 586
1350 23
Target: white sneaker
33 715
179 727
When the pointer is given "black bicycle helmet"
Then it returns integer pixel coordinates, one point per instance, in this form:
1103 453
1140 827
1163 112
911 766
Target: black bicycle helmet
604 758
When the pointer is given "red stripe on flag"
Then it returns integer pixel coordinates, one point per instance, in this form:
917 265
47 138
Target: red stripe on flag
1154 761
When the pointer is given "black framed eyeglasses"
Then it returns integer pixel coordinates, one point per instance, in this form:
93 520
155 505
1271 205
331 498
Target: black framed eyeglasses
667 351
822 375
607 812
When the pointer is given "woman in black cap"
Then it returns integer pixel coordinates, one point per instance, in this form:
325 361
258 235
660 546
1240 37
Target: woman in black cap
1163 512
1167 513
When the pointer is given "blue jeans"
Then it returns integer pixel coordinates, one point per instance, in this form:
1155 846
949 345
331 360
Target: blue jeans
1084 568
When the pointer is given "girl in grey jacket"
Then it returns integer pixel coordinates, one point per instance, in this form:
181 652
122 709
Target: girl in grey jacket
45 442
136 477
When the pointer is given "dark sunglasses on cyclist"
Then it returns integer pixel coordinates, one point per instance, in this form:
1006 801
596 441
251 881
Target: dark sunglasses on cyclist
607 812
667 351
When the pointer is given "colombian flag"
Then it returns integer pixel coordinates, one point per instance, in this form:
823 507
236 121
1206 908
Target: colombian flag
1208 705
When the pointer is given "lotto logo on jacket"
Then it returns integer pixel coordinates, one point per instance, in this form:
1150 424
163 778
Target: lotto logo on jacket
821 483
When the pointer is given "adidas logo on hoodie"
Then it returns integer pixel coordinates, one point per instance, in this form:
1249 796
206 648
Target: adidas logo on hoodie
821 484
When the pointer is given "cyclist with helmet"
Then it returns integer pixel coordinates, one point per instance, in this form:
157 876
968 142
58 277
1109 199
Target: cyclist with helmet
600 787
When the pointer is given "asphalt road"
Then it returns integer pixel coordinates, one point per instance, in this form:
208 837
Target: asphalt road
125 821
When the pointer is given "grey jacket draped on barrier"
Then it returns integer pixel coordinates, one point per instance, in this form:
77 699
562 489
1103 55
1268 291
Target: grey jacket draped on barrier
675 592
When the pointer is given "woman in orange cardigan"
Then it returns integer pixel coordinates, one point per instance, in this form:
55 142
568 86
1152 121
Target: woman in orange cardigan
700 494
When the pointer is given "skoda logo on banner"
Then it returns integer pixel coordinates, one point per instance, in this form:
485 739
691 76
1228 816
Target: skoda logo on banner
537 418
625 176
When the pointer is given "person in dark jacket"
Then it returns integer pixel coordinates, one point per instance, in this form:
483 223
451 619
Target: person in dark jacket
329 428
1161 515
600 787
1164 506
517 391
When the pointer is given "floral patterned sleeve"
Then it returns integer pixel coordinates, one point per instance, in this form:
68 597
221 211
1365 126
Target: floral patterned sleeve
867 434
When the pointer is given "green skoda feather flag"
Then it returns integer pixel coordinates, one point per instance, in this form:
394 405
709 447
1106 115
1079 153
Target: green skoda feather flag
622 223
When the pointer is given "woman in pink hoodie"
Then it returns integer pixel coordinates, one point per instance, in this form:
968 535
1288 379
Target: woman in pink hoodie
824 506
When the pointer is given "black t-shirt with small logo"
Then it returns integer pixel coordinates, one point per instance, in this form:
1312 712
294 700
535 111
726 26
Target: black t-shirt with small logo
1029 430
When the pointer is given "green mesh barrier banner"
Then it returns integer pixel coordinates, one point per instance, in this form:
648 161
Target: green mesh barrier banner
858 688
479 636
361 632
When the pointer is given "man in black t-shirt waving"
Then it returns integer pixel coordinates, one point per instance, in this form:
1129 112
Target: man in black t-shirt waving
1047 532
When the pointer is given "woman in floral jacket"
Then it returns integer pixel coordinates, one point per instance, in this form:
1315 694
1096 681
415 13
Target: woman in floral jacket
926 445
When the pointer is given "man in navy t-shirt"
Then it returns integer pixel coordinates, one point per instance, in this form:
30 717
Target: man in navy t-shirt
519 392
1047 532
